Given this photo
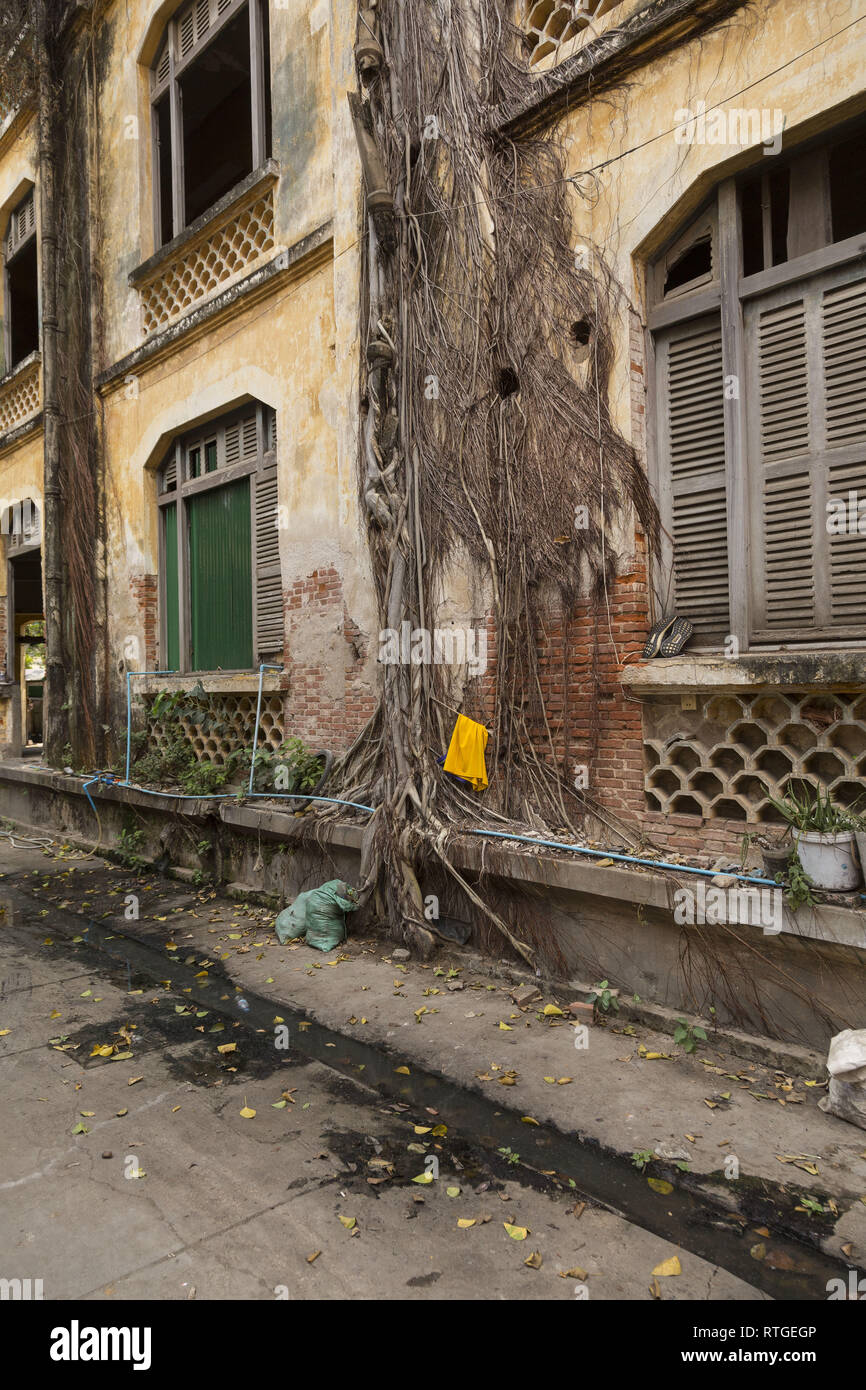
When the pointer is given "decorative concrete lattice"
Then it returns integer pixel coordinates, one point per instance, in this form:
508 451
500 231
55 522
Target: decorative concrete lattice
238 714
234 247
726 759
20 398
550 23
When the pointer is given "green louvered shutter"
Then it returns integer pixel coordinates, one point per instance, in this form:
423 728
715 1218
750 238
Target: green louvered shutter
220 578
172 629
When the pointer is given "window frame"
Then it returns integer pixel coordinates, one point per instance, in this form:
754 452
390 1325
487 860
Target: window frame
727 296
227 11
13 245
261 466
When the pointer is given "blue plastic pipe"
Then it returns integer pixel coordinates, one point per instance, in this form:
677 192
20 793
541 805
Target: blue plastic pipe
264 667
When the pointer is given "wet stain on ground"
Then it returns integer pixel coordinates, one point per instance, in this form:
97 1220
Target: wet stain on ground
685 1215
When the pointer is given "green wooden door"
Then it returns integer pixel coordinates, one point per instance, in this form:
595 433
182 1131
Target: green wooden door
172 630
220 578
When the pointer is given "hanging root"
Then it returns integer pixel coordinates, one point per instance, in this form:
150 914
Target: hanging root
480 435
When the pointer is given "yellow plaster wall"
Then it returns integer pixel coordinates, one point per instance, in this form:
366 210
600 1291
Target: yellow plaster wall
655 183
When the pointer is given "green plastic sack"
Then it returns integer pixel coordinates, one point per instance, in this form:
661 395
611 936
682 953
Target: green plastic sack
319 915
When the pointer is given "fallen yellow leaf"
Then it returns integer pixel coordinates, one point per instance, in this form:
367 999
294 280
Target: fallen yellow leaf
667 1268
659 1185
465 1222
516 1232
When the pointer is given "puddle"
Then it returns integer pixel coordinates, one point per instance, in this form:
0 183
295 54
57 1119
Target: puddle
477 1130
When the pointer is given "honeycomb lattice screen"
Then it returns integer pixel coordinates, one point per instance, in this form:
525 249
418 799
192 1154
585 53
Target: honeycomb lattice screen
727 758
237 715
20 398
234 247
550 23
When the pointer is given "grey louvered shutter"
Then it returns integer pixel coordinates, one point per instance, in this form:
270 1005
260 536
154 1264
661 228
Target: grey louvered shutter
691 436
844 344
806 374
268 591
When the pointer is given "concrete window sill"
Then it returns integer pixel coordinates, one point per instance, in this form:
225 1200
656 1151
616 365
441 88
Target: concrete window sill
253 184
231 683
773 670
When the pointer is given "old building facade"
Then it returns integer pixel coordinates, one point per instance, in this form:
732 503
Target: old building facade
717 159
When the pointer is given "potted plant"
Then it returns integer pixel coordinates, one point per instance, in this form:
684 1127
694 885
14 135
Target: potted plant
823 836
857 820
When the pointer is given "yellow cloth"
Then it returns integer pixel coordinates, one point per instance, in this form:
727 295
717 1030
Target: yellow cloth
466 752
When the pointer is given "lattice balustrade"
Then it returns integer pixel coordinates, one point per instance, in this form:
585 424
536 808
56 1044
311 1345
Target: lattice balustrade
21 397
237 713
725 759
223 253
550 23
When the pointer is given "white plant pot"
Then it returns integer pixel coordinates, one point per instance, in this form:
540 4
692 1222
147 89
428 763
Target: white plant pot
829 860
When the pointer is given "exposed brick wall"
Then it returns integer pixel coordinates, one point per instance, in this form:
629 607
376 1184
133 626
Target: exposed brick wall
594 720
330 697
145 590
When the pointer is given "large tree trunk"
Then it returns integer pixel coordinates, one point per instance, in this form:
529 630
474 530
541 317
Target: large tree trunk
56 680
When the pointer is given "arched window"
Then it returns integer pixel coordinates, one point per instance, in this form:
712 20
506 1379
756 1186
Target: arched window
21 284
758 319
210 96
221 599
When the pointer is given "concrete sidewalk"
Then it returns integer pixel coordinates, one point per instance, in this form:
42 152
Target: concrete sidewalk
752 1140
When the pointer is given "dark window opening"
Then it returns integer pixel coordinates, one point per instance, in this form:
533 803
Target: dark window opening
22 305
694 264
753 228
848 187
163 156
765 213
212 108
216 97
266 80
780 197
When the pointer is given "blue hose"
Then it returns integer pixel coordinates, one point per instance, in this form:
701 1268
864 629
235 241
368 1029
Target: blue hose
486 834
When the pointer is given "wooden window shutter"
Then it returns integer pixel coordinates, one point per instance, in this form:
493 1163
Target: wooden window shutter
691 437
22 226
806 369
196 23
269 622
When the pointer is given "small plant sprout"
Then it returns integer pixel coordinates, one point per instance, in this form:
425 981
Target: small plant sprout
603 998
641 1157
687 1036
